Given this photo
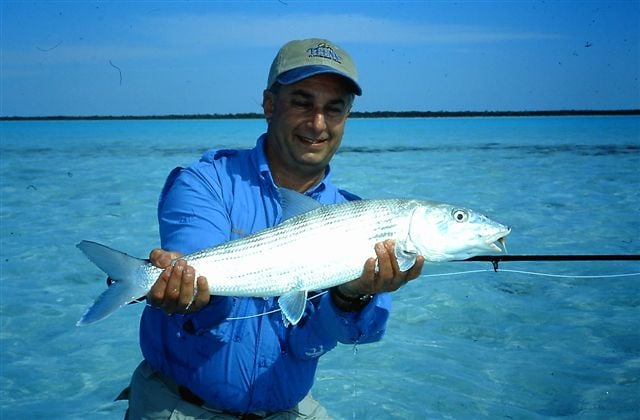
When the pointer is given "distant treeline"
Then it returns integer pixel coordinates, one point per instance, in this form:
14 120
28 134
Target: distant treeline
355 114
437 114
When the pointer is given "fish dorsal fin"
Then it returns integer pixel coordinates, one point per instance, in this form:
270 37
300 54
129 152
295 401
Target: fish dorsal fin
292 305
293 203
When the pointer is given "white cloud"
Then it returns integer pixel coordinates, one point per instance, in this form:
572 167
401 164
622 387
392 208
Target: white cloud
240 30
183 34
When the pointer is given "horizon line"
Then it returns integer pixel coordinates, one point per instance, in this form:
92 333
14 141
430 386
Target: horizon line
354 114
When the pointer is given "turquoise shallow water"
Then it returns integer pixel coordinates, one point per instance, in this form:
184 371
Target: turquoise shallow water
480 344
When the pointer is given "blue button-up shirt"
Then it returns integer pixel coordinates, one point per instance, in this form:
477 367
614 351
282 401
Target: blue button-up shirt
253 364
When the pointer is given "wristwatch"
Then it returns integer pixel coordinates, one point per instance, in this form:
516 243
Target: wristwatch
348 303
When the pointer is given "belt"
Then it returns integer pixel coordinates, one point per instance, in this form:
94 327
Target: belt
187 395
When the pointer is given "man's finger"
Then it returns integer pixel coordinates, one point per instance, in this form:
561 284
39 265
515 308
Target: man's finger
155 296
369 270
174 284
414 272
202 296
390 246
163 259
387 265
186 288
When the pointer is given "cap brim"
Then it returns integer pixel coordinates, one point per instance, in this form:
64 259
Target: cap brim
295 75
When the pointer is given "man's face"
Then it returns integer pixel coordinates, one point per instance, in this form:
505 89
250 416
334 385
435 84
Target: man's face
306 124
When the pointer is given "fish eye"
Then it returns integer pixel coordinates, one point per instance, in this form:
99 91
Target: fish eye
460 215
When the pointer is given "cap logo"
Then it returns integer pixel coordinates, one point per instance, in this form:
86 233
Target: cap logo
324 50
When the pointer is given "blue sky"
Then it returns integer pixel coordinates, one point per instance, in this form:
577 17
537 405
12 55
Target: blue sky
197 57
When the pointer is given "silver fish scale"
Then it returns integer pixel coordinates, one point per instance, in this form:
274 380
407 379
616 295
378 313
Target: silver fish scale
316 250
313 251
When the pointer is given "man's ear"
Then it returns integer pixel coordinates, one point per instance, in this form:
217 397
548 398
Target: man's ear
268 104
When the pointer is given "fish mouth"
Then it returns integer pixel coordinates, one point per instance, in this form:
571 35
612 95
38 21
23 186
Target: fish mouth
498 242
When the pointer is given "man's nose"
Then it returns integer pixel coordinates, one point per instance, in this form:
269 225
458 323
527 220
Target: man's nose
318 120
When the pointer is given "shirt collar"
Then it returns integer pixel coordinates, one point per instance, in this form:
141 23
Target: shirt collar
262 164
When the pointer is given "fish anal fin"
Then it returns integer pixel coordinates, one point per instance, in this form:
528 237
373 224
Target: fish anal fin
292 305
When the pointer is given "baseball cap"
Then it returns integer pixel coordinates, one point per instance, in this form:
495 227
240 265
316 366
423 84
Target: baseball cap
304 58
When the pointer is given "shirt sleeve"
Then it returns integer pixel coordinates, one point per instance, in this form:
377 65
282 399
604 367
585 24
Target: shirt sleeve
326 325
190 204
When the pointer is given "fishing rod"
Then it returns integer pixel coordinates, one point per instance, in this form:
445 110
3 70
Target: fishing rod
496 259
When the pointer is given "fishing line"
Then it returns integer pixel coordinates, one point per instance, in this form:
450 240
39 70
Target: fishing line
555 257
236 318
570 276
535 273
274 310
456 273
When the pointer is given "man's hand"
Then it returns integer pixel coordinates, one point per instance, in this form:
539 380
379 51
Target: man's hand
389 278
174 292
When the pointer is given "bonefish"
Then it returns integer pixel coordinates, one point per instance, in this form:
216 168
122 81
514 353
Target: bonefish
316 247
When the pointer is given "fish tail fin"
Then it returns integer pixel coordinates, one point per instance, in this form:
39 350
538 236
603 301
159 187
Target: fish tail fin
122 269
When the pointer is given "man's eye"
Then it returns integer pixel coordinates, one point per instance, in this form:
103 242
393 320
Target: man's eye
335 111
300 104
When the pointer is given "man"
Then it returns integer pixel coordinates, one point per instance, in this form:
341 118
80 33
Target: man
200 362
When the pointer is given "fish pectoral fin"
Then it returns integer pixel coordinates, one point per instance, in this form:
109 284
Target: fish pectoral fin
292 305
406 255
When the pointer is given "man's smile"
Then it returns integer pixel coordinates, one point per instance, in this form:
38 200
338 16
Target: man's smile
310 141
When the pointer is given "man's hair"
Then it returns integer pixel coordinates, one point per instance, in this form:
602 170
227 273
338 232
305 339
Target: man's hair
275 88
